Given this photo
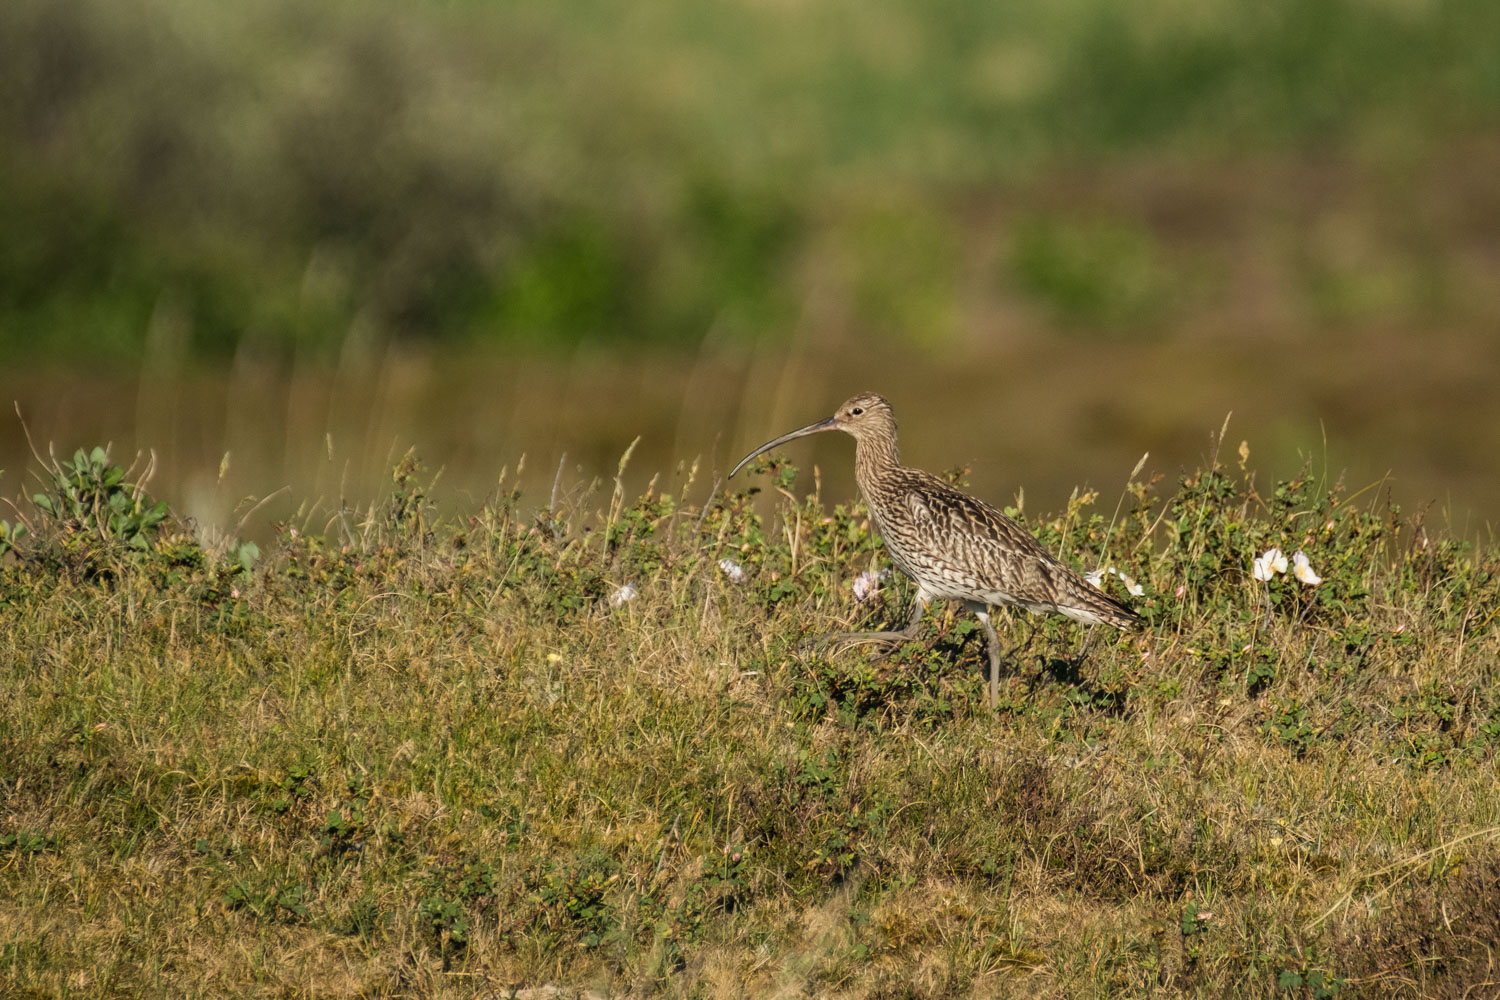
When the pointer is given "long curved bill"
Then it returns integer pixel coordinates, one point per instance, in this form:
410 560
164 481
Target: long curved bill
821 425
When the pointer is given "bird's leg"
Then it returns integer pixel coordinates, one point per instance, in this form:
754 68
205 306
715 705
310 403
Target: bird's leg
888 637
1088 640
982 612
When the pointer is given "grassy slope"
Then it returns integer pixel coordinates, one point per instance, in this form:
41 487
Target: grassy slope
423 756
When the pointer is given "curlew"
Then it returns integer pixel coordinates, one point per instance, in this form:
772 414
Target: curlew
953 546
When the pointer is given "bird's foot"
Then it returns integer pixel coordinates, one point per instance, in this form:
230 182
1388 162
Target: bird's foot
1007 692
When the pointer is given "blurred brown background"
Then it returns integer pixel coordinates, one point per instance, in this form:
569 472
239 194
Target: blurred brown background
1056 238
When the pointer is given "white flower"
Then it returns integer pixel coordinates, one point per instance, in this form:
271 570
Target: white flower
625 593
865 586
733 570
1096 577
1303 570
1268 565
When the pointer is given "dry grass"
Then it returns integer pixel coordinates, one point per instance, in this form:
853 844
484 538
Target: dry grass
428 758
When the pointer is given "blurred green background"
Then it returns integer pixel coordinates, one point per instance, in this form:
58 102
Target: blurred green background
1056 235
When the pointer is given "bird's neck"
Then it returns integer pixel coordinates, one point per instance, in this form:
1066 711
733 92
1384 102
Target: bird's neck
873 456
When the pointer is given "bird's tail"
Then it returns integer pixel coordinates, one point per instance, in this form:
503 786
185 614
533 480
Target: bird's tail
1086 603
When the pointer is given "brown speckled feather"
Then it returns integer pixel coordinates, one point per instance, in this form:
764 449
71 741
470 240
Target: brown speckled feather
960 548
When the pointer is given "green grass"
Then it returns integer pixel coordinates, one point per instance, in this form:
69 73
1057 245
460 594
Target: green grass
407 752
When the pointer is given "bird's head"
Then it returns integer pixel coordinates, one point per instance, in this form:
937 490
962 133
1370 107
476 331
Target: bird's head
864 416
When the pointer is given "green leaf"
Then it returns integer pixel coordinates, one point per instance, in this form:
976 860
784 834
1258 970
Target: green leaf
246 554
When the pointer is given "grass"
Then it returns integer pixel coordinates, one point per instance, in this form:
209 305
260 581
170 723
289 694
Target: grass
406 752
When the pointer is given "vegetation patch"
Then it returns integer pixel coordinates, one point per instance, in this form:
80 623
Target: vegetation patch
408 752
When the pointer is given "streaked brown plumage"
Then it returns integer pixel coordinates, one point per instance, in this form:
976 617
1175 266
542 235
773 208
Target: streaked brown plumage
953 546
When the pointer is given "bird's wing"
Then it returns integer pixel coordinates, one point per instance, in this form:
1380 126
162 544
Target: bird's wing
921 513
942 512
981 552
985 554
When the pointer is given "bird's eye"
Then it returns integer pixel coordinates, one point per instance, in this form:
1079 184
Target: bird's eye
857 410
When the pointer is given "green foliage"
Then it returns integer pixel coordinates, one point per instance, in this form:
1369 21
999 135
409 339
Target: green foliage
1100 276
243 555
572 901
89 493
91 521
10 534
420 174
275 902
292 789
1313 983
1288 725
27 842
345 829
444 919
